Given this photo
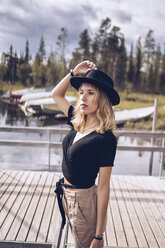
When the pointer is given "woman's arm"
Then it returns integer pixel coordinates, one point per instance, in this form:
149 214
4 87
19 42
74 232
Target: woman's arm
59 92
103 193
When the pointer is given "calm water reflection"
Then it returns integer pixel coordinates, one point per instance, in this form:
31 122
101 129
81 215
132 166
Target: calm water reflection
37 159
12 115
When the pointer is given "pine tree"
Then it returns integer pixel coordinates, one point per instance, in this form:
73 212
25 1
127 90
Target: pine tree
151 82
61 42
52 73
95 51
24 68
149 52
130 73
121 66
84 45
102 39
27 56
138 65
41 50
10 65
156 70
38 72
162 72
76 58
149 47
115 42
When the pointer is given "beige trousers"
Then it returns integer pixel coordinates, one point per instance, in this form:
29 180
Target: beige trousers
81 210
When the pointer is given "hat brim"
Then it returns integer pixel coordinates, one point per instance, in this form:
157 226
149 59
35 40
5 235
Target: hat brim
112 93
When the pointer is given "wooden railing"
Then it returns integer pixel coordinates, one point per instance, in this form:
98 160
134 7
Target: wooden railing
50 144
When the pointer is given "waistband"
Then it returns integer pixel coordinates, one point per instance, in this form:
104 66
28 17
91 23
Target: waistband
83 193
60 186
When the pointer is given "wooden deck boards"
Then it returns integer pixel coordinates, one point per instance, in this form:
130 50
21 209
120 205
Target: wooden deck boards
29 212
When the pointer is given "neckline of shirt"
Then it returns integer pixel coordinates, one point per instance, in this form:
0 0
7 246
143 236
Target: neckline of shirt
74 135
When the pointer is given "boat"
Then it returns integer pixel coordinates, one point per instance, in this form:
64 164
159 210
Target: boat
51 109
36 94
45 105
122 116
13 97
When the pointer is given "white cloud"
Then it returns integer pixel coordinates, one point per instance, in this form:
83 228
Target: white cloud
29 19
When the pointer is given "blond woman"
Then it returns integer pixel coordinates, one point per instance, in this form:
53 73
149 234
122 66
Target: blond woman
88 151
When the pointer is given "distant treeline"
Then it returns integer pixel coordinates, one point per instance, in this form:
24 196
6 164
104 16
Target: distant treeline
142 70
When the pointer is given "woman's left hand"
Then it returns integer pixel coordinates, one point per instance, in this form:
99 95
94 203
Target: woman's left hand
95 243
83 67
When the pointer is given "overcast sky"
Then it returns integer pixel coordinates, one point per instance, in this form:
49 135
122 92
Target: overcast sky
29 19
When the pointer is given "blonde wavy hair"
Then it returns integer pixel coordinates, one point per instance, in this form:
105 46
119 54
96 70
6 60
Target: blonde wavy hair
104 113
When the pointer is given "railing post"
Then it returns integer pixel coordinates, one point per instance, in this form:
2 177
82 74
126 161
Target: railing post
49 152
162 157
153 130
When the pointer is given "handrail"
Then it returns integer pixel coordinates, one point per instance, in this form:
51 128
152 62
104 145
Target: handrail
58 144
50 144
145 134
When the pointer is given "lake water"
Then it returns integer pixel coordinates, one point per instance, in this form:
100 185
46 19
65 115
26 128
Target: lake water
30 158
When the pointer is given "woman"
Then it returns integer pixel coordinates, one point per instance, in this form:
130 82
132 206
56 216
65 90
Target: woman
88 149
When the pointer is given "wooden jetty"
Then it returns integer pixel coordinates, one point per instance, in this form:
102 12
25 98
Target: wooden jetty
29 215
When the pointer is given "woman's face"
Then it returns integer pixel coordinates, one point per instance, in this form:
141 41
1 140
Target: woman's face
88 102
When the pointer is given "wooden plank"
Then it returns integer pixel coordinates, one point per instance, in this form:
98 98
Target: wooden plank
10 186
157 204
159 185
130 235
36 223
127 188
6 181
110 229
119 229
22 204
4 176
55 230
53 221
12 205
45 224
147 208
1 175
152 243
135 211
27 222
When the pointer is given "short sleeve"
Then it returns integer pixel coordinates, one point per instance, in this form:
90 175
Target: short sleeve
70 115
107 150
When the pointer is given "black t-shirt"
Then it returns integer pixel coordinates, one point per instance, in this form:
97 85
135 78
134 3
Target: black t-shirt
81 160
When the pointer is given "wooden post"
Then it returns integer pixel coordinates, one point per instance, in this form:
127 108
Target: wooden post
49 152
153 130
162 158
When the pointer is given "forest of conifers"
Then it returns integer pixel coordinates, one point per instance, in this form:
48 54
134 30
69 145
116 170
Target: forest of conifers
141 70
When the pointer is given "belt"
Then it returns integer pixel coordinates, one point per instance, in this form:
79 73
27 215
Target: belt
59 192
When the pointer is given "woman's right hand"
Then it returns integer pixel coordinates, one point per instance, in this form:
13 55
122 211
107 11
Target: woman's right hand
83 67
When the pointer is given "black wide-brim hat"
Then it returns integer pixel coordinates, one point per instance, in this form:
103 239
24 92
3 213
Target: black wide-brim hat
99 79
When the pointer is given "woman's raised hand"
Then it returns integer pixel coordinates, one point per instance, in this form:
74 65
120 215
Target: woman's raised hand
83 67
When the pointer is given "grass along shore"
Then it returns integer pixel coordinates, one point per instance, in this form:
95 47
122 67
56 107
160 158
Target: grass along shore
129 100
